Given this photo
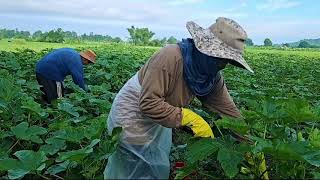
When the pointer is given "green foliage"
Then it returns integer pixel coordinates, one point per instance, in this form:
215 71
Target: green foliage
272 127
267 42
201 149
229 160
22 131
172 40
144 37
280 120
279 104
249 42
77 155
59 38
237 125
140 36
28 161
314 138
313 43
7 33
53 36
69 138
304 44
53 145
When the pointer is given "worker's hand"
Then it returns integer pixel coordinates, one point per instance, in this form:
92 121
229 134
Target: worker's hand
198 125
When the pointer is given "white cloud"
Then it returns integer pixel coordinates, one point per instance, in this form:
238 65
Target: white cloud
160 15
121 10
184 2
211 17
101 14
166 17
278 4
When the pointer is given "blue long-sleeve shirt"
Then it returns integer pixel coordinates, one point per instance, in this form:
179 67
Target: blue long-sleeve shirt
62 62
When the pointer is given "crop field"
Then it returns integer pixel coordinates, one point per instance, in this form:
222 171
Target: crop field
16 44
280 104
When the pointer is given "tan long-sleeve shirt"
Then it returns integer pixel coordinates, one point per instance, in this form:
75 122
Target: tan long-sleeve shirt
164 91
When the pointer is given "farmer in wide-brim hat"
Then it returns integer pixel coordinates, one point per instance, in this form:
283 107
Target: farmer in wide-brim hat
153 101
53 68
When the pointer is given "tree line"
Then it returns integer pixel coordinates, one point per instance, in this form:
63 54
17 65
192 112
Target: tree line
55 36
138 36
268 43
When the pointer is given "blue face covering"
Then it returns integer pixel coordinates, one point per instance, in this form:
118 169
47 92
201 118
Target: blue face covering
199 70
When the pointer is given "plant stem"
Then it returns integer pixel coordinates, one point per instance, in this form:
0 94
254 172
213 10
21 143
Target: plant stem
56 117
44 177
311 131
13 146
262 174
29 118
219 130
208 175
57 176
265 131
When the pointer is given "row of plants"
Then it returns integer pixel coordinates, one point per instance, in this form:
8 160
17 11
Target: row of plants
279 103
67 139
279 134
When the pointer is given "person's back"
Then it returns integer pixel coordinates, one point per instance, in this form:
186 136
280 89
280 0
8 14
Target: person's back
53 68
59 63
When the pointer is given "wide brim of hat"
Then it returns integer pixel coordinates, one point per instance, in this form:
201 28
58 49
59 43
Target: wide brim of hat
207 43
85 55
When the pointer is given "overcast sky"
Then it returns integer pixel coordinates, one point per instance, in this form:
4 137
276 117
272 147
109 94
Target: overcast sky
280 20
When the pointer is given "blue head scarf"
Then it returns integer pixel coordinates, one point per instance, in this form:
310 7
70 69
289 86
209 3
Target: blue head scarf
200 71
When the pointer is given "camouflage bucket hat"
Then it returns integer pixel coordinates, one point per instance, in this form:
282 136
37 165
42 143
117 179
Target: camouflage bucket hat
223 39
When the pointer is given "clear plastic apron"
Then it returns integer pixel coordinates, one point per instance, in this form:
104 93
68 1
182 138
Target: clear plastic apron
144 147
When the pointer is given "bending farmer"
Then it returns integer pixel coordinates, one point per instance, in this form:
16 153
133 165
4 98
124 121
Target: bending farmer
52 69
152 101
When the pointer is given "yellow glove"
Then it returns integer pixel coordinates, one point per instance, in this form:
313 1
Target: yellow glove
198 125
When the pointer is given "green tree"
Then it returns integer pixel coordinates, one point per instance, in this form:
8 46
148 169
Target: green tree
55 36
158 42
163 41
140 36
70 35
172 40
267 42
22 34
249 42
304 44
7 33
117 40
155 42
37 35
286 45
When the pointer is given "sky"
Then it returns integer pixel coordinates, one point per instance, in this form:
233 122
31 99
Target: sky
280 20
